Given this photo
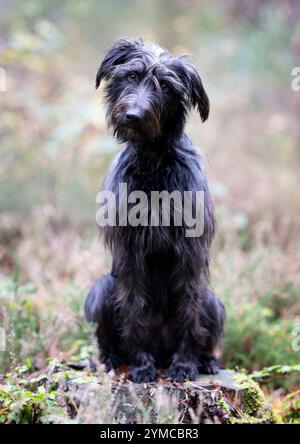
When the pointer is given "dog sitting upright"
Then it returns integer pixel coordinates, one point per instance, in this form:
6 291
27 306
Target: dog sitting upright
154 309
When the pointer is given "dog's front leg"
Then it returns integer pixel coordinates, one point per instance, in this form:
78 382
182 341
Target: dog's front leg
190 332
183 365
142 367
136 337
201 315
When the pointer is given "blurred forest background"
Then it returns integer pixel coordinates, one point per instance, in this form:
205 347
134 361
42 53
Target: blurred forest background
55 151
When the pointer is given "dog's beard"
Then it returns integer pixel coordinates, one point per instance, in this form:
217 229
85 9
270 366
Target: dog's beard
124 133
138 133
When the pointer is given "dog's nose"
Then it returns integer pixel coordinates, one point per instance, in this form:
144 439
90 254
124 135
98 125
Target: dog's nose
133 116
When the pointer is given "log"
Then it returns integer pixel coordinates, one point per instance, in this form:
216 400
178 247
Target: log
79 392
225 398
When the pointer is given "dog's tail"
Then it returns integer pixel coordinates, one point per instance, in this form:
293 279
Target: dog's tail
98 298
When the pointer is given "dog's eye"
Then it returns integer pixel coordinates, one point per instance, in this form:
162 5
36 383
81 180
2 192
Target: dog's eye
132 76
164 86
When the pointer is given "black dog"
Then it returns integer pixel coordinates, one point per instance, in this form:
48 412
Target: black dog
154 309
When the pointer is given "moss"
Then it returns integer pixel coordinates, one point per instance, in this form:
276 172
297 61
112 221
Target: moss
253 396
254 407
224 405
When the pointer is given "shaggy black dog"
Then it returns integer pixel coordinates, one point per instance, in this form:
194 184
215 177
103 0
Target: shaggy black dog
154 309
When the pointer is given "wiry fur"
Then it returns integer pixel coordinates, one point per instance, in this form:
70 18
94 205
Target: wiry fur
154 309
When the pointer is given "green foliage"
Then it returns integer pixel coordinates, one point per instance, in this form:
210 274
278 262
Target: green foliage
22 406
290 408
30 328
282 300
23 321
275 370
284 376
253 339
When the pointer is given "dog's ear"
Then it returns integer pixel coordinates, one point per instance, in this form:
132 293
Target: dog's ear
198 94
120 52
193 83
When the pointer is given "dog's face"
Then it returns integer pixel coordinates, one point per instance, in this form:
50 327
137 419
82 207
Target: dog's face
148 91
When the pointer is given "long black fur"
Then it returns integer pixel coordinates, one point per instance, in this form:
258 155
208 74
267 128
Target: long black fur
154 309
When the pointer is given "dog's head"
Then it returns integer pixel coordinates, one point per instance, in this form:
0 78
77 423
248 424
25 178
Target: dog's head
148 91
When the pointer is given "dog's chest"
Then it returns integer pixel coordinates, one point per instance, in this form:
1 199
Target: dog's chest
148 174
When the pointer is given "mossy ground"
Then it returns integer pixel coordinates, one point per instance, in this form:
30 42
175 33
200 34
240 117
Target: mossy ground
74 393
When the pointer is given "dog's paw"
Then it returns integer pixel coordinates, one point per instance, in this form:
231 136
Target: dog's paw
145 373
181 372
111 361
209 366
